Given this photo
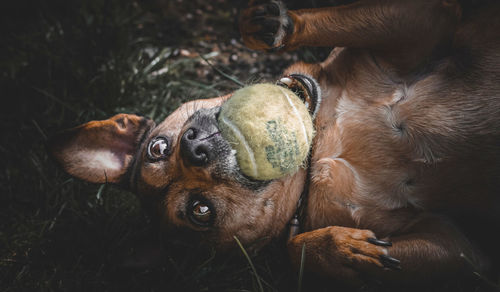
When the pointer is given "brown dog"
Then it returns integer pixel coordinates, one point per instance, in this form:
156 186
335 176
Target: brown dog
406 157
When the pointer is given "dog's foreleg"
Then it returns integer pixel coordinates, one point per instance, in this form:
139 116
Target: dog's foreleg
428 249
403 31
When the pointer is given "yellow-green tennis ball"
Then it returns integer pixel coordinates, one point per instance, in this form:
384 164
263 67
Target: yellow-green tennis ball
269 127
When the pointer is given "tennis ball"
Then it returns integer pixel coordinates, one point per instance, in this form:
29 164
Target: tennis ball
269 127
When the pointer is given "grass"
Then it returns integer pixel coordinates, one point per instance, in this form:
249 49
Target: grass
257 277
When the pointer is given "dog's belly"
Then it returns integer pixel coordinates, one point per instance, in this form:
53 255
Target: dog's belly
357 169
386 150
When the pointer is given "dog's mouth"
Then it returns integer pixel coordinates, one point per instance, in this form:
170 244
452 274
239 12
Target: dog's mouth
306 87
202 144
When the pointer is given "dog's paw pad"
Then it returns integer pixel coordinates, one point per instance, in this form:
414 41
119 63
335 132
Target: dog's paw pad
264 26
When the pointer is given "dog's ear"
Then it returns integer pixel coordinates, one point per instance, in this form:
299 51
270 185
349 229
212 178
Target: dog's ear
101 151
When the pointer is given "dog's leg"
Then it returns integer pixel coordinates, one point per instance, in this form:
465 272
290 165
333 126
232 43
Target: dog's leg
403 31
429 246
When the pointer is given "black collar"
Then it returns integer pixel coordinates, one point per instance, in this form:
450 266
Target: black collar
295 224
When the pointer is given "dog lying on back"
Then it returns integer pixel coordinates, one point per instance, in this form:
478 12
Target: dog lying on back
404 172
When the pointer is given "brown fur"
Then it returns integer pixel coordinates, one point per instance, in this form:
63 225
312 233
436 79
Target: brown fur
407 143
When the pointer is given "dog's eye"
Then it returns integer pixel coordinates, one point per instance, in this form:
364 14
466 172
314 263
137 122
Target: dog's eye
201 213
158 148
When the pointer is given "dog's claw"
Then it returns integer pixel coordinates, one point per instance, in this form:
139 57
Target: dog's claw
379 242
268 39
273 9
390 262
270 25
276 49
286 81
259 13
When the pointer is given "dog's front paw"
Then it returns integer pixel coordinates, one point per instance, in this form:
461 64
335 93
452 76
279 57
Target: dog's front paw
264 25
342 252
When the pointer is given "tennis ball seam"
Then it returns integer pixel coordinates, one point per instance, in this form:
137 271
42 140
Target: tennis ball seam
296 112
243 140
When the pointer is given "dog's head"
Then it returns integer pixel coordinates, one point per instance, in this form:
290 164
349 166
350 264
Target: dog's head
183 171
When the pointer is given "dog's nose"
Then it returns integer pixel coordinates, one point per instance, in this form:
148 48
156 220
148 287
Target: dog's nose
196 148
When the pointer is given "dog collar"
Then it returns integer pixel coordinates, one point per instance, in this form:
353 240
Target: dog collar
307 88
295 224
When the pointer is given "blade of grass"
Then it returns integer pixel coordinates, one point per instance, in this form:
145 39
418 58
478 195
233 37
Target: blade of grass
100 192
44 137
250 262
489 283
301 269
51 96
160 56
231 78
